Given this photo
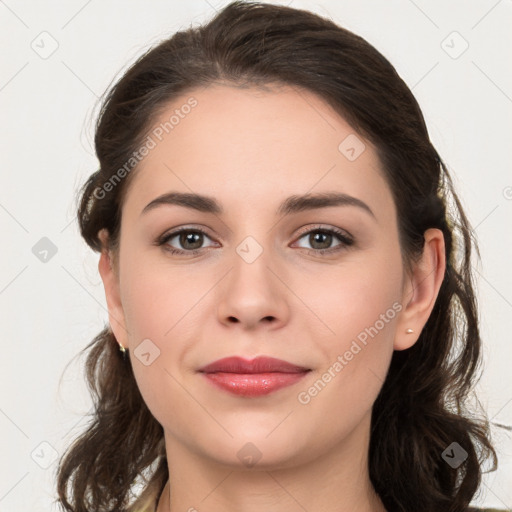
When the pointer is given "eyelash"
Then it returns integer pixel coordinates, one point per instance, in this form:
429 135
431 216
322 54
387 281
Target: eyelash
345 239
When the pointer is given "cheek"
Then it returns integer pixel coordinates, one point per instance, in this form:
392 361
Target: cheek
157 314
358 308
162 308
358 295
159 301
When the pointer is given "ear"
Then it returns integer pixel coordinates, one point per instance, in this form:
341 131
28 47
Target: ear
420 290
110 280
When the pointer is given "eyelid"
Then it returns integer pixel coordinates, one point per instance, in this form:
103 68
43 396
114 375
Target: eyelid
323 227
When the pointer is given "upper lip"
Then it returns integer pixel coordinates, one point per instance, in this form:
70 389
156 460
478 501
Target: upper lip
260 364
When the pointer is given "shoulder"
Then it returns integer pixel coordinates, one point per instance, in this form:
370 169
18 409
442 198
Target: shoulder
472 509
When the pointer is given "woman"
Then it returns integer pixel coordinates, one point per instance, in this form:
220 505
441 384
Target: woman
314 346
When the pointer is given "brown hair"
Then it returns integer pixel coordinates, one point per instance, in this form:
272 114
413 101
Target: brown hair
422 406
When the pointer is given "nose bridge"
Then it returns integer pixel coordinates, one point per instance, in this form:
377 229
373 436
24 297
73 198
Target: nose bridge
252 292
251 265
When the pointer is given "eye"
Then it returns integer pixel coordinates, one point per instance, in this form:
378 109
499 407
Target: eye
191 240
321 239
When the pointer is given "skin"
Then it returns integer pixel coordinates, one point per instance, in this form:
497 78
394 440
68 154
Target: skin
251 149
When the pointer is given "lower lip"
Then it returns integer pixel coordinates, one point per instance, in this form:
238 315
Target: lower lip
253 384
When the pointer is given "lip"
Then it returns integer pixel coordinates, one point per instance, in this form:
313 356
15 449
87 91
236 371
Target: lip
258 377
260 364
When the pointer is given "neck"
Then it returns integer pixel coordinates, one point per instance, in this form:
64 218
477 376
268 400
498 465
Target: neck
336 481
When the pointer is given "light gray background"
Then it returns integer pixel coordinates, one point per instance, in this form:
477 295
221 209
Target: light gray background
51 310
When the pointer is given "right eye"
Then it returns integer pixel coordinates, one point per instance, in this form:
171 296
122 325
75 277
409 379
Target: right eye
191 240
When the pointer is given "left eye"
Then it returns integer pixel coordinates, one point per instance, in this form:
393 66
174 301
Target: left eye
325 237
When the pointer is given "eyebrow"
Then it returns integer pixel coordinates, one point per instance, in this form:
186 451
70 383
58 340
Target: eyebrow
292 204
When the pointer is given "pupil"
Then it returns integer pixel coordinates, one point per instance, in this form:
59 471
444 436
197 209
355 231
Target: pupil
189 237
329 236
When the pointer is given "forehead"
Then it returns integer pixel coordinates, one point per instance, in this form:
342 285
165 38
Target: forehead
239 144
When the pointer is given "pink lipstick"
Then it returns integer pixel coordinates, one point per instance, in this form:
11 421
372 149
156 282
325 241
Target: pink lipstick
258 377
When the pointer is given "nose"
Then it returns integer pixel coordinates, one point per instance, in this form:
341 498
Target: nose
253 294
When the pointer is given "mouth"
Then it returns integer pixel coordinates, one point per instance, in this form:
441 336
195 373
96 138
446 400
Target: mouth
258 377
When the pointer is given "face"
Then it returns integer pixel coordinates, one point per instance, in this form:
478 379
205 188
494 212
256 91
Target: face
320 286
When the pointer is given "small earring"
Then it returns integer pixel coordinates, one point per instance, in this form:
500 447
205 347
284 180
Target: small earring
121 348
409 331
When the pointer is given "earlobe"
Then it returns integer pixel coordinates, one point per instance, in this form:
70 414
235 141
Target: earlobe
421 290
112 293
